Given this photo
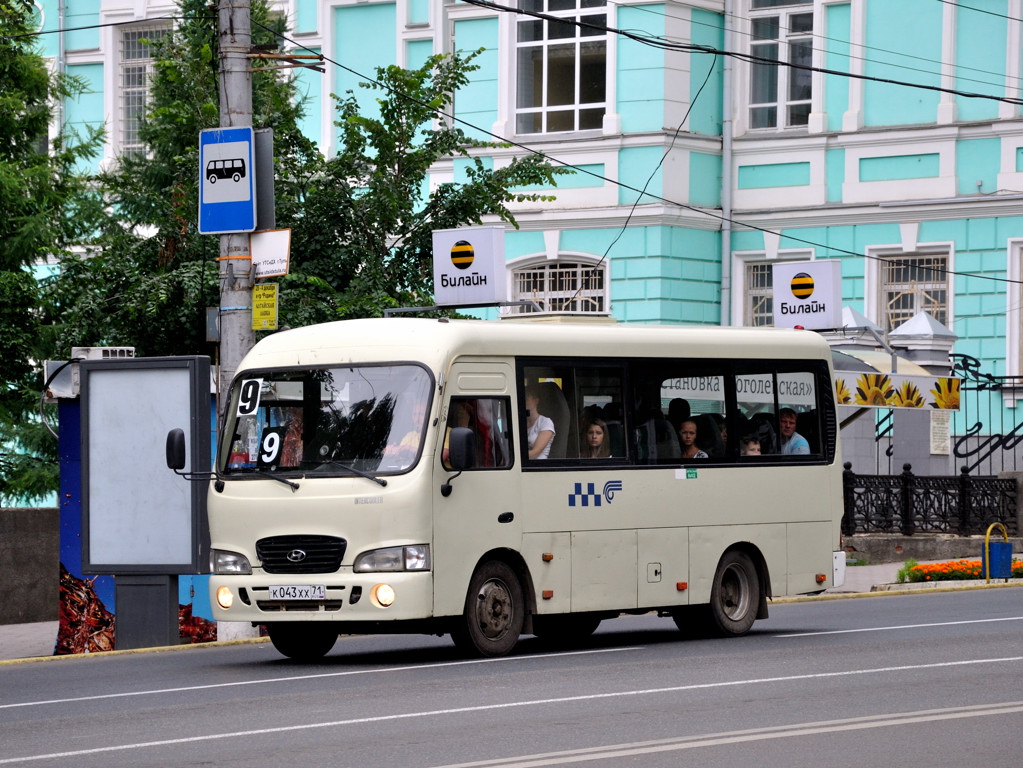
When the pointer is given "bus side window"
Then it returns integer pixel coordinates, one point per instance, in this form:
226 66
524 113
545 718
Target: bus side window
487 417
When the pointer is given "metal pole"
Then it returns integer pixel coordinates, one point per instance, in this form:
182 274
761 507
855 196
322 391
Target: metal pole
236 334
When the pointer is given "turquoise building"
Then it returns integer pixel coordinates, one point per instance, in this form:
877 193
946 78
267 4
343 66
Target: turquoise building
712 139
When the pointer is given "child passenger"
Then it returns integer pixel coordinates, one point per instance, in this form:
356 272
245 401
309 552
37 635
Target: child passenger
750 446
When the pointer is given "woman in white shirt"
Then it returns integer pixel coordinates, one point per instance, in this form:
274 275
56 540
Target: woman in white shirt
539 428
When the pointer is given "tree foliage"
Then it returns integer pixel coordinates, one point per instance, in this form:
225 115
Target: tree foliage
361 220
43 199
365 235
148 275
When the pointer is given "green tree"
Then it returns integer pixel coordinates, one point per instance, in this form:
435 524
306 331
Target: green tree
44 203
363 241
149 275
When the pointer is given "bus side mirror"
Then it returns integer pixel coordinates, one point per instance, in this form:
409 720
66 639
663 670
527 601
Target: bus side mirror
176 449
461 448
461 454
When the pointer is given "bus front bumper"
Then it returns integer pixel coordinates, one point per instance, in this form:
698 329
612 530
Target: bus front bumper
336 597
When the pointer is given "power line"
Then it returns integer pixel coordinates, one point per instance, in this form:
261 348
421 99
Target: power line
863 47
640 192
657 43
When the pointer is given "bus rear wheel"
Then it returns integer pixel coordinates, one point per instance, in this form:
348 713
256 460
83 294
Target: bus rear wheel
494 612
302 641
734 595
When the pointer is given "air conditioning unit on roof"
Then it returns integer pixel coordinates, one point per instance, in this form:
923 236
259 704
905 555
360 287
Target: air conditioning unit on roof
102 353
62 379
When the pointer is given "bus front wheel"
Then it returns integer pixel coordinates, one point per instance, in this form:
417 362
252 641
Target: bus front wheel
302 641
734 595
494 612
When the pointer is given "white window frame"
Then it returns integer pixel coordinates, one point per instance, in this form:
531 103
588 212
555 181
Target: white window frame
743 292
129 115
546 110
784 74
1014 316
874 287
584 264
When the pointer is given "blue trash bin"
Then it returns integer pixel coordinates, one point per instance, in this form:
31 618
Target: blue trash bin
1000 555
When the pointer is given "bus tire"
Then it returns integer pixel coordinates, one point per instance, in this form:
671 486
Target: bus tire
302 641
494 612
734 595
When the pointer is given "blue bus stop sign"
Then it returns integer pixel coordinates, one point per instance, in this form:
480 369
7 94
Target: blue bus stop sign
227 188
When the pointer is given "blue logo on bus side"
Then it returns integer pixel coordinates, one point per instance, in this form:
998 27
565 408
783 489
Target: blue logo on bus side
590 497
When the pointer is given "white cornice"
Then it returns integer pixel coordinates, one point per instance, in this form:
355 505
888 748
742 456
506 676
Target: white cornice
533 220
981 207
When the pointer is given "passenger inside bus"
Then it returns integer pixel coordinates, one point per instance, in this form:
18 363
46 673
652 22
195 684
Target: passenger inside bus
403 452
750 446
596 440
539 428
687 433
792 443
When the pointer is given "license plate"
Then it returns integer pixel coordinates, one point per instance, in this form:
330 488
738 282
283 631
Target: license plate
299 592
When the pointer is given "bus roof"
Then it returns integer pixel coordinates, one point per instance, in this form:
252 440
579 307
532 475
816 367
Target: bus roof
435 341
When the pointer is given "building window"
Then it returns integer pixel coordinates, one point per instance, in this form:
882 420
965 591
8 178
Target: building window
561 67
136 72
780 31
753 289
1014 311
913 284
759 306
562 287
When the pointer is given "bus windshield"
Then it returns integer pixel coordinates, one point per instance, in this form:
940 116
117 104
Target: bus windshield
328 421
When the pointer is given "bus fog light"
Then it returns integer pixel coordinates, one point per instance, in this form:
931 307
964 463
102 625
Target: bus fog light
225 598
382 595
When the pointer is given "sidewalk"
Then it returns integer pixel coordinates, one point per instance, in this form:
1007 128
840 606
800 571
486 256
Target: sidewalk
25 641
862 578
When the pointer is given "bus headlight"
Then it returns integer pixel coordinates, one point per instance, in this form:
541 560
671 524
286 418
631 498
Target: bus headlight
229 563
415 557
225 598
382 595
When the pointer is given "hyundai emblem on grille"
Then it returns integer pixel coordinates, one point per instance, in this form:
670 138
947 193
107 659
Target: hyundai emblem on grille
296 555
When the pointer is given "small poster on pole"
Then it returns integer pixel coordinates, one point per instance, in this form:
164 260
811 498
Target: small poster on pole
264 307
271 253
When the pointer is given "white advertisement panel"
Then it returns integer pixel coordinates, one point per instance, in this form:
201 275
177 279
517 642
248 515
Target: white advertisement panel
808 294
468 266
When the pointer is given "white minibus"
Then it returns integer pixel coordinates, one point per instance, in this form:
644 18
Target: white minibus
375 476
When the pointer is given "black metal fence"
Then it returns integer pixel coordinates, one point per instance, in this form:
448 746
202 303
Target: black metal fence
909 504
986 435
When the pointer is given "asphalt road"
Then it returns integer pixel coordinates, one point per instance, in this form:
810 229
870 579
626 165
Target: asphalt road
931 679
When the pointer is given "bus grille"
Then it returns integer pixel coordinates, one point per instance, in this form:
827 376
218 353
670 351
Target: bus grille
301 554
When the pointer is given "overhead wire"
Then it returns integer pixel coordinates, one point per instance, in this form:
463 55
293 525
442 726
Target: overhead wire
710 213
644 193
999 82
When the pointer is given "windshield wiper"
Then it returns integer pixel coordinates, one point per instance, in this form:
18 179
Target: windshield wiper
272 476
378 480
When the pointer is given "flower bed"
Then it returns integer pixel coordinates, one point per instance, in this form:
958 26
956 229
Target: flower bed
954 570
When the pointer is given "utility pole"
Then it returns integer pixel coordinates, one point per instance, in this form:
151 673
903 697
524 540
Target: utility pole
236 277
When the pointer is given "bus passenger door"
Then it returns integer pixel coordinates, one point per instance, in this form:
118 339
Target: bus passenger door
481 513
